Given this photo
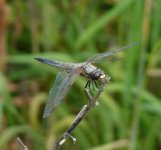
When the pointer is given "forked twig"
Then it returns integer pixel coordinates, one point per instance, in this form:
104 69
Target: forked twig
21 144
83 112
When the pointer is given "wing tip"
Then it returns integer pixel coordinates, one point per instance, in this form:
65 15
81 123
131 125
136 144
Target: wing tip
47 111
45 115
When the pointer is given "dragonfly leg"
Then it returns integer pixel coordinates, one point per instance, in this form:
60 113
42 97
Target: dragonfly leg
91 99
100 89
95 82
95 88
87 84
87 90
88 94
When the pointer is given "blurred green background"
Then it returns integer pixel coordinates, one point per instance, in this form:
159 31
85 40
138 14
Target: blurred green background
129 114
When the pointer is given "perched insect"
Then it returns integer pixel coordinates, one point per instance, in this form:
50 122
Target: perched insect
64 81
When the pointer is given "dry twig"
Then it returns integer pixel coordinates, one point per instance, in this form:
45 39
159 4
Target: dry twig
83 112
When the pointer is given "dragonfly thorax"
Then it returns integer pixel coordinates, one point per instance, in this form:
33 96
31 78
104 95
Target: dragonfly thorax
93 72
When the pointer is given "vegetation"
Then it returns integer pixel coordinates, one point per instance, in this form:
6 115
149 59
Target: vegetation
129 113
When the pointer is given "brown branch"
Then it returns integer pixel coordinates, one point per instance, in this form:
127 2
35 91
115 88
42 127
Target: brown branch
86 108
21 144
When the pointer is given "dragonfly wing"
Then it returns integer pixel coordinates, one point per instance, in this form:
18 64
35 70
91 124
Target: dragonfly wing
101 56
59 90
50 103
108 59
59 64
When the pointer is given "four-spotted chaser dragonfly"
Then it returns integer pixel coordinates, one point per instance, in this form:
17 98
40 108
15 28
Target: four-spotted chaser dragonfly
63 81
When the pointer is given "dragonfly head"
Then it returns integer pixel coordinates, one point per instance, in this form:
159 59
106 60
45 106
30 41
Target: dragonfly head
98 75
104 78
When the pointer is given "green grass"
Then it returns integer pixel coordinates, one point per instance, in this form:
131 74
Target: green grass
129 112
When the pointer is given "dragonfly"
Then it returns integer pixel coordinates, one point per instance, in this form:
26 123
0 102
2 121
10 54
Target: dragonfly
70 71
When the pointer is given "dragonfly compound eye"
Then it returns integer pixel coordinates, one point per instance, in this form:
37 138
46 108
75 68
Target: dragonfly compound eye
97 74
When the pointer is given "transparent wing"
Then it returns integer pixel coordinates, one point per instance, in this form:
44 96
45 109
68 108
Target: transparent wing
59 90
98 57
109 60
53 91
